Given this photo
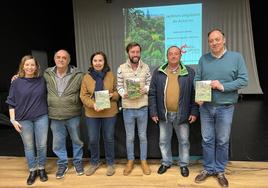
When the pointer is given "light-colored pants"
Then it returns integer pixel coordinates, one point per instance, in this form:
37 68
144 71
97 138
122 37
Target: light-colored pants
130 116
182 132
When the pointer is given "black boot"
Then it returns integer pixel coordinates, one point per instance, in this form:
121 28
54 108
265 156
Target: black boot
32 177
43 175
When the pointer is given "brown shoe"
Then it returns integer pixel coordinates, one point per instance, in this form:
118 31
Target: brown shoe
202 176
222 180
129 167
145 167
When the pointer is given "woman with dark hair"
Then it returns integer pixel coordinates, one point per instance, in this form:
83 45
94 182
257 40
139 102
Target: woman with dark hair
100 78
27 102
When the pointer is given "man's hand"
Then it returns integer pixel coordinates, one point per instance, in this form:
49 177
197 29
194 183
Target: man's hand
155 119
14 77
215 84
143 91
125 96
192 118
200 103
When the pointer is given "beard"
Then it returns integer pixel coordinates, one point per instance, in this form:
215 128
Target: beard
134 60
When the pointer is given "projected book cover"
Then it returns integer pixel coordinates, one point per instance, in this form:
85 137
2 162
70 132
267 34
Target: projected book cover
102 99
203 90
133 88
158 28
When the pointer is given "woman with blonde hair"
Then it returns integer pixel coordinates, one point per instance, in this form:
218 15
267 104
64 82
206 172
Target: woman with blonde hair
27 102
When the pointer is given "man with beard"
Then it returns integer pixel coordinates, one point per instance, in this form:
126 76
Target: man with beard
133 80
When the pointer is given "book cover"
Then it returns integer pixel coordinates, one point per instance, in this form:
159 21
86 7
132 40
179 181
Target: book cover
102 99
203 90
133 88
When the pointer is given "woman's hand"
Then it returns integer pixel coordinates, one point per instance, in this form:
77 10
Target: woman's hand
96 108
17 126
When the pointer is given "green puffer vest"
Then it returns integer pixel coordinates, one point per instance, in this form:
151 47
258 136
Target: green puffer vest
67 105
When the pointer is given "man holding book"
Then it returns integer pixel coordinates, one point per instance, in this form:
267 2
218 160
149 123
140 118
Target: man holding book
227 73
172 106
133 80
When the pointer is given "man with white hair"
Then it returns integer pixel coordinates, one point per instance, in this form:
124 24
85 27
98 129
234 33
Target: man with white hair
64 110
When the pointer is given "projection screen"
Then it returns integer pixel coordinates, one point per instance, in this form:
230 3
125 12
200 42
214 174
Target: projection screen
101 26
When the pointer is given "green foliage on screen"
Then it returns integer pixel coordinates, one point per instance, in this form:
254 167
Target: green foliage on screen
148 31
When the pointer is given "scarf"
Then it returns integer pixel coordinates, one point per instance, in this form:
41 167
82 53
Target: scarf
98 76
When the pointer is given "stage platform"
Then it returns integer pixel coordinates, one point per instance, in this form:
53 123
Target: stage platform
13 173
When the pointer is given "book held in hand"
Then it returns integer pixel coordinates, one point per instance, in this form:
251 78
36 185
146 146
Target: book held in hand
102 99
133 88
203 90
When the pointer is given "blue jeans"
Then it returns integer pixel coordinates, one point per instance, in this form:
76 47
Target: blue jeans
34 136
59 130
130 116
216 124
94 126
182 132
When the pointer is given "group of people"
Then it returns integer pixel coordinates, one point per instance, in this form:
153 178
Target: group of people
168 95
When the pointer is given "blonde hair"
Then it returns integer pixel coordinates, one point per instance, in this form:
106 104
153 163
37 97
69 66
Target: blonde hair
21 72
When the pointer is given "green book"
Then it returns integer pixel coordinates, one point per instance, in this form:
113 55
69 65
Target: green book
102 99
203 90
133 88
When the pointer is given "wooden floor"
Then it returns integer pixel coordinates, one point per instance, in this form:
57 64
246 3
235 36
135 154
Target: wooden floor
13 173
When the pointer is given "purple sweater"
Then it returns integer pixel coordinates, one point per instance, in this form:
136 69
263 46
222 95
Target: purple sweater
28 96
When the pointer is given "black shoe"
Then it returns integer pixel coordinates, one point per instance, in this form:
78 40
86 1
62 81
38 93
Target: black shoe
202 176
43 175
32 177
184 171
162 169
222 180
